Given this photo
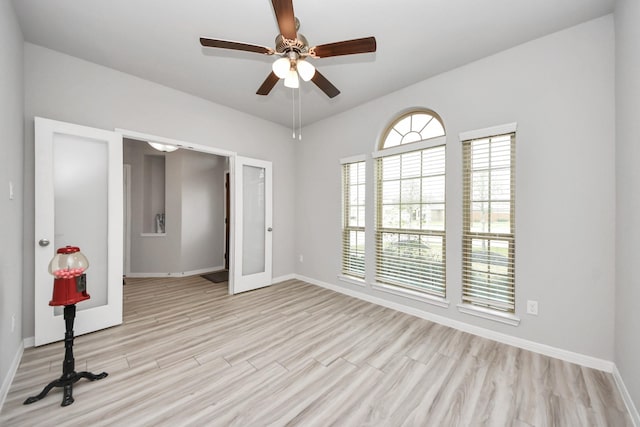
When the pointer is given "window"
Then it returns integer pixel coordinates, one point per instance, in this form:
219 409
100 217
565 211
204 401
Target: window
353 210
488 238
410 205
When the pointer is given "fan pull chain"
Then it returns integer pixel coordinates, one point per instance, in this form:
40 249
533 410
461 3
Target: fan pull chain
293 113
299 115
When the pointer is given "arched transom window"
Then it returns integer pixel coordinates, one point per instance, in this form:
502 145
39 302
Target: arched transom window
413 127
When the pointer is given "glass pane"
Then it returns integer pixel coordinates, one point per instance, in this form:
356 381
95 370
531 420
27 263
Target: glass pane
480 154
480 184
419 121
391 168
254 220
411 164
433 189
411 137
353 216
410 216
500 217
391 216
433 216
500 184
480 217
80 180
361 194
403 126
433 161
393 139
433 129
411 191
390 192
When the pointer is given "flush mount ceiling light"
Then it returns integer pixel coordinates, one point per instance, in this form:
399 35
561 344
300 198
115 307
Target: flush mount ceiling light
165 148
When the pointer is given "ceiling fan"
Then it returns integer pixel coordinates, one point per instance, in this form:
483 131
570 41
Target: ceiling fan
294 50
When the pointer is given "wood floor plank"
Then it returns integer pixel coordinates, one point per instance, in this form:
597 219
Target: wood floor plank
296 354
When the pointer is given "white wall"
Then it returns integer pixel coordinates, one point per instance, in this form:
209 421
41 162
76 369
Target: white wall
65 88
627 339
11 170
560 91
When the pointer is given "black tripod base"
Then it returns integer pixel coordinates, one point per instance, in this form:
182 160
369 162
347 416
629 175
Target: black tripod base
69 375
67 382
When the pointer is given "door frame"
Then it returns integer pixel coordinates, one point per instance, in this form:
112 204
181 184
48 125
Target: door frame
231 155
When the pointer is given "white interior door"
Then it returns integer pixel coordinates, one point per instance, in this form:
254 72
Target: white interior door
78 202
252 203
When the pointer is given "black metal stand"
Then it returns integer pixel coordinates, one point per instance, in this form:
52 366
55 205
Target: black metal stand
69 375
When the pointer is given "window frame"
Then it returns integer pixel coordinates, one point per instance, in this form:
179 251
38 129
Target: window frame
346 273
413 292
484 309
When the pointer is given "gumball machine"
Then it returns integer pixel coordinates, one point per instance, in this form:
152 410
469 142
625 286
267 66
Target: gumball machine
69 287
70 283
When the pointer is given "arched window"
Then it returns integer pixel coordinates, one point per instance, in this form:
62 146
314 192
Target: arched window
411 127
410 206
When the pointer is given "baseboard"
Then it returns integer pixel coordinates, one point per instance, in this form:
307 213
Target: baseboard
622 388
178 274
558 353
13 368
29 342
283 278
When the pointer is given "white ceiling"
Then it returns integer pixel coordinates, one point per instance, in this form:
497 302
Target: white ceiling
158 40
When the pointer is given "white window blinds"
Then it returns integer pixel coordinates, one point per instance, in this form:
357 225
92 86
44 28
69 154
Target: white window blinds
410 220
488 238
353 212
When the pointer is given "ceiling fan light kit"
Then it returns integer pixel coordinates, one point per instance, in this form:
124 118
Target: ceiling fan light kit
294 50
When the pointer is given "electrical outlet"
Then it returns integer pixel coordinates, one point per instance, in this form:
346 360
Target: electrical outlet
301 258
532 307
11 195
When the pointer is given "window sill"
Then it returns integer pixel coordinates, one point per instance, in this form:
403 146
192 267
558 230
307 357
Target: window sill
153 234
485 313
352 280
408 293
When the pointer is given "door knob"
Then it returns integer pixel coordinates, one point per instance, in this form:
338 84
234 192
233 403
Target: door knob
269 229
43 242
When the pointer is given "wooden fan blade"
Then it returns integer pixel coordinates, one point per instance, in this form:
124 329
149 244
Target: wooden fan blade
268 84
226 44
285 17
324 84
347 47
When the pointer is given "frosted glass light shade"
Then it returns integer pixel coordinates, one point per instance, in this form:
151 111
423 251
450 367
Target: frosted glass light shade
292 80
281 67
306 70
166 148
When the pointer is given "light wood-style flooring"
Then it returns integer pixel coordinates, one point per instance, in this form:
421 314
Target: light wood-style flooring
297 354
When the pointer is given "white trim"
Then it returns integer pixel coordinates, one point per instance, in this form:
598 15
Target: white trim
178 274
566 355
353 159
509 319
413 146
409 293
153 234
283 278
126 169
29 342
11 373
352 280
490 131
182 144
628 401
